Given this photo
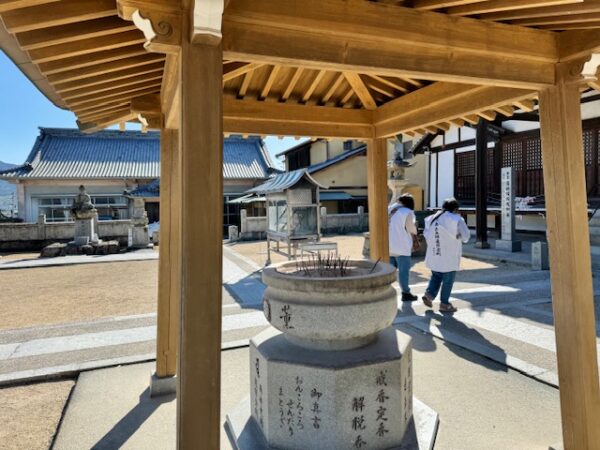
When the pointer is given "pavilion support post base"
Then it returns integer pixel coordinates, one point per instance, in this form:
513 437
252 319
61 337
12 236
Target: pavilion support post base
160 386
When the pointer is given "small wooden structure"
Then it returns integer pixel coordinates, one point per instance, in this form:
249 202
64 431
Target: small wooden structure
292 210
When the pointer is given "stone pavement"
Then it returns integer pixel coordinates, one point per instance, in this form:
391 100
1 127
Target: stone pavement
504 315
482 404
137 255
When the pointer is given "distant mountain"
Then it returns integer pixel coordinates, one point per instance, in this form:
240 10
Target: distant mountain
6 189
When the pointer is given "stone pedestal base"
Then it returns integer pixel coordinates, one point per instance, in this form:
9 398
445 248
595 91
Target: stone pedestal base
162 385
539 256
508 246
245 434
303 398
85 231
139 237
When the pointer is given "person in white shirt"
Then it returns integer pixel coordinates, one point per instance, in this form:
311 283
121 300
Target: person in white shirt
402 230
445 233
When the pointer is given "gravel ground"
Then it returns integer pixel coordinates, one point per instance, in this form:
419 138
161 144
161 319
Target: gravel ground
30 414
52 295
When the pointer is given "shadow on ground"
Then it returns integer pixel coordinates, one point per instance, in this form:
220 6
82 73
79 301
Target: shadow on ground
132 421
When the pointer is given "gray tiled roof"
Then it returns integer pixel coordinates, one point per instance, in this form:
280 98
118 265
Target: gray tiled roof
283 181
70 154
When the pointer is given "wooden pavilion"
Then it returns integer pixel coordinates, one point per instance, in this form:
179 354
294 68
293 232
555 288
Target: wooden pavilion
356 69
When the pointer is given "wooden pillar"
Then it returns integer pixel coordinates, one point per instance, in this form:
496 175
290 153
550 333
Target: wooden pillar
167 317
481 142
176 208
378 199
570 261
198 408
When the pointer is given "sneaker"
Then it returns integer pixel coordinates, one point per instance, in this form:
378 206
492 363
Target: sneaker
408 297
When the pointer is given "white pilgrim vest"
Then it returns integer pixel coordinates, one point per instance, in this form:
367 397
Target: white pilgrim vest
400 239
445 236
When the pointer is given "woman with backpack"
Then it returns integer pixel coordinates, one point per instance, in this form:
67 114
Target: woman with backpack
445 233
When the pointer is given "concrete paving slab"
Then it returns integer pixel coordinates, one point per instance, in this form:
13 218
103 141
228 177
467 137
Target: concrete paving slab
482 404
112 409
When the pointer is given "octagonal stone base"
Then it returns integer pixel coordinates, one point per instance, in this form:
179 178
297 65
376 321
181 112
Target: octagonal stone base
304 399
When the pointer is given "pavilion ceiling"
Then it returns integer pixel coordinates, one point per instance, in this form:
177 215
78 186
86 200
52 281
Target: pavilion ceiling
89 60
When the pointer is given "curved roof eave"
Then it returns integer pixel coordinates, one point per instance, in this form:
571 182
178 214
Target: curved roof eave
9 46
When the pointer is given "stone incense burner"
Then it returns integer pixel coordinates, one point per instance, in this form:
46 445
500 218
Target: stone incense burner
331 373
330 312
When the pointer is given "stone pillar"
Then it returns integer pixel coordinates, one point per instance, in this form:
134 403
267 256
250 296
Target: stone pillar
539 256
139 224
570 260
508 241
378 193
199 374
243 221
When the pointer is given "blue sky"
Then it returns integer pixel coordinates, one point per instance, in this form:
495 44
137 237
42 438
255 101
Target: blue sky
23 109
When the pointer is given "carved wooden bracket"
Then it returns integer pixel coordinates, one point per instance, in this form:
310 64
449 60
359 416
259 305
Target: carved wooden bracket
582 70
207 20
161 23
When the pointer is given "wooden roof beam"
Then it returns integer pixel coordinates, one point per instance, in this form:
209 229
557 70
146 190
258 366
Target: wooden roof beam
105 26
69 11
535 12
9 5
274 118
405 26
492 6
439 4
109 77
292 84
92 127
506 110
313 85
112 86
97 60
525 105
361 90
86 46
278 46
334 87
264 93
237 69
439 103
488 115
116 94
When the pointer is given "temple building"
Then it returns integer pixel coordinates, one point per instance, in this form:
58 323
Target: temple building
114 165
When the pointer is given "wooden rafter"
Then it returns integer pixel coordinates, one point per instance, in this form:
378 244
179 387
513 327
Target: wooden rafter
237 69
334 87
492 6
313 85
70 11
292 84
269 83
90 76
86 46
360 89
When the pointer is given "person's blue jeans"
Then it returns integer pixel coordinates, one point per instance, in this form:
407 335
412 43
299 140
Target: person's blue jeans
402 263
445 280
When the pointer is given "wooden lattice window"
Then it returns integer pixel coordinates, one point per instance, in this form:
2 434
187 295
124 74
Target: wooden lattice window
588 147
512 155
534 154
